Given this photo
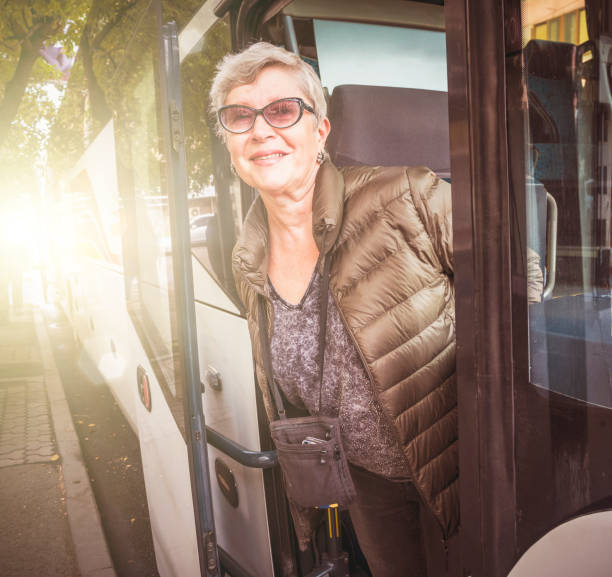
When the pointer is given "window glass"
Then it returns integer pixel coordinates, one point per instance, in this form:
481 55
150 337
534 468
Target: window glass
401 68
568 210
355 53
541 31
554 29
215 207
584 34
555 21
570 29
144 192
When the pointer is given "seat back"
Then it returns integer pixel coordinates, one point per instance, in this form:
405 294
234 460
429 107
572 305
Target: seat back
389 126
552 101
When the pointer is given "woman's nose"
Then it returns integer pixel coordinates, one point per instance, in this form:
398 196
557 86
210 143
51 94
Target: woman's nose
261 129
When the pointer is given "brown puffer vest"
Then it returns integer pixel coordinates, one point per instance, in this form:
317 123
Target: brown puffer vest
388 231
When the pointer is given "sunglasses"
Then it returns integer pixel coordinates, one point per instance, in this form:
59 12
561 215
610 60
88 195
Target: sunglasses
283 113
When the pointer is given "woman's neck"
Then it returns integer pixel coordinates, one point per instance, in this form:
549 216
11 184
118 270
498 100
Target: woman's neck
293 252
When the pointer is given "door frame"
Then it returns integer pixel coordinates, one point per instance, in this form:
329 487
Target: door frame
490 280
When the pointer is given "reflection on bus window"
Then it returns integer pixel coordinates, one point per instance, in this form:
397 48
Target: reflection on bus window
568 199
215 209
96 217
557 21
149 277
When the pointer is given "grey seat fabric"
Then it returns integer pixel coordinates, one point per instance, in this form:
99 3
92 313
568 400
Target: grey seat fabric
389 126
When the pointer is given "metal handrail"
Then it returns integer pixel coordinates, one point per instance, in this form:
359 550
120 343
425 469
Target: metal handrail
244 456
551 245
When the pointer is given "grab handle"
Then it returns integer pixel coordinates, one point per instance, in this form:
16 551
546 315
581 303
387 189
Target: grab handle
551 245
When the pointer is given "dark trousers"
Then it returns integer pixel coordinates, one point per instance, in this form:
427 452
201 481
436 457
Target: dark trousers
385 516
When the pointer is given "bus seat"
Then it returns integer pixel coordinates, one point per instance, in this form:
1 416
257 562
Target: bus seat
389 126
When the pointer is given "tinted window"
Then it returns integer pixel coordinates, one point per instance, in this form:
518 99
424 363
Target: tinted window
214 191
568 203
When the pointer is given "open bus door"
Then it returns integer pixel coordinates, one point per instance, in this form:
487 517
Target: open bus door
195 427
530 103
159 293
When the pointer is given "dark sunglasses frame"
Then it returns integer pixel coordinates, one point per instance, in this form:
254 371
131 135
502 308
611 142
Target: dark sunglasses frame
262 111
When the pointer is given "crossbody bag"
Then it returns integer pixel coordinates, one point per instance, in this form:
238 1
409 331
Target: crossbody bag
310 451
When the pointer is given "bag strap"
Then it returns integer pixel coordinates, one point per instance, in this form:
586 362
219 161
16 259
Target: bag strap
265 341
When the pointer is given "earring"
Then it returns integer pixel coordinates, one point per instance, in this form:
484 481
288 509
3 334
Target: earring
321 156
233 169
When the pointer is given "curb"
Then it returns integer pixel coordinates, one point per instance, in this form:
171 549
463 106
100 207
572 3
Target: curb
91 549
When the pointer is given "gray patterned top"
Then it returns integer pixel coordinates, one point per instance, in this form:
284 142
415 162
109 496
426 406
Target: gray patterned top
368 437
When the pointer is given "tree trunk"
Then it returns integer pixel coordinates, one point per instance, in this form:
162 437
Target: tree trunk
15 88
97 100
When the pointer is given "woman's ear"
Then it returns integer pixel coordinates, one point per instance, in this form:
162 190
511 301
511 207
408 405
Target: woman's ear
323 130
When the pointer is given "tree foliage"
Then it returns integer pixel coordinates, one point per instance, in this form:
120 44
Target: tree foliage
112 51
26 27
31 87
115 73
197 72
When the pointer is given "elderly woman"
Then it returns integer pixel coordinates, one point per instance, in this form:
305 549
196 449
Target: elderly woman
389 356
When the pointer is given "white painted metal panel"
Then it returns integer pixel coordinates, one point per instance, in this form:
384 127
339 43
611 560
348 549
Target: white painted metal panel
166 473
224 345
208 291
581 546
106 307
163 449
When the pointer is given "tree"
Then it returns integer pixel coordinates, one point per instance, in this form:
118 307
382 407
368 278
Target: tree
27 27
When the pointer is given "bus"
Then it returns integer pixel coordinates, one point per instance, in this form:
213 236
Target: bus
508 100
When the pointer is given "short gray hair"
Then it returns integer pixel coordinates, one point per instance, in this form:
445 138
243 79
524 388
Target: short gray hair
242 68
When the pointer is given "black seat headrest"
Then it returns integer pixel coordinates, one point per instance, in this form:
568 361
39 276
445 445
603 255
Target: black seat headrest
389 126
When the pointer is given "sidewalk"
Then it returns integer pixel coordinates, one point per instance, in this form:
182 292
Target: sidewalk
50 525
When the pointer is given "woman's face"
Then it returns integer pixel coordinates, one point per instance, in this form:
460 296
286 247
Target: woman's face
276 161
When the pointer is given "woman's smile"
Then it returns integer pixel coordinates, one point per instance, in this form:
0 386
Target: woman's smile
266 158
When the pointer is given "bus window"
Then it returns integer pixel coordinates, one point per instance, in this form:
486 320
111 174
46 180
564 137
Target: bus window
568 202
139 149
215 208
358 53
96 217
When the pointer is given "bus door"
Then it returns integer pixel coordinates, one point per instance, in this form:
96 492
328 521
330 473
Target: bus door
532 222
245 515
159 294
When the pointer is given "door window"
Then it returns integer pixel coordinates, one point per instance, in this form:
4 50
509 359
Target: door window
568 161
358 53
144 193
562 412
215 203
